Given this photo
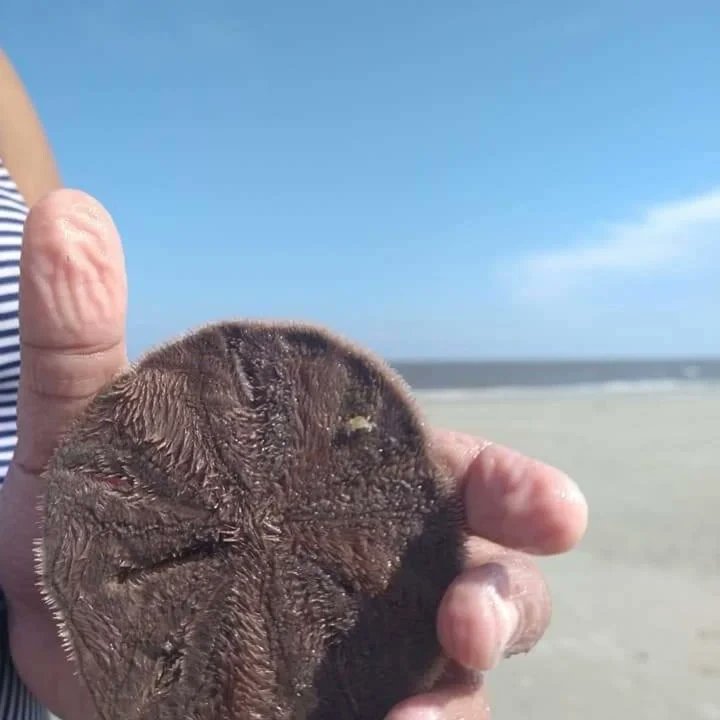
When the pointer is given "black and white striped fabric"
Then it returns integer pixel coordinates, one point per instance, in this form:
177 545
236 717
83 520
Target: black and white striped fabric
16 703
12 216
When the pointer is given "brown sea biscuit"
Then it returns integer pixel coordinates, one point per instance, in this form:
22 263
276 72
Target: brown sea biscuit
249 524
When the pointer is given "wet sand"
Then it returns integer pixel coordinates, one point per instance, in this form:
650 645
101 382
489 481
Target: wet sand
636 628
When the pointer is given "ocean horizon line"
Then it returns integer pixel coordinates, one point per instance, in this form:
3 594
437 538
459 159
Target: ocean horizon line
556 359
468 375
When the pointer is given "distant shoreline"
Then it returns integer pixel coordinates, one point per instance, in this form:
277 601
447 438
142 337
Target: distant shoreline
604 374
639 387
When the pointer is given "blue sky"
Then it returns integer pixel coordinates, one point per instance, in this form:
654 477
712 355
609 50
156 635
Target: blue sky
436 180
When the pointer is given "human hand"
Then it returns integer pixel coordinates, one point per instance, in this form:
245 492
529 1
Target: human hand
73 297
515 507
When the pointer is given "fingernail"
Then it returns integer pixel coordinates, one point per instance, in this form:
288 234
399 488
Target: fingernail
507 618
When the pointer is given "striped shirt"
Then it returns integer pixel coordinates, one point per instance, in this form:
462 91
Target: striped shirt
16 703
12 216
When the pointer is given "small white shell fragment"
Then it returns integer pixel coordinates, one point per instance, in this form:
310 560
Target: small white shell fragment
359 423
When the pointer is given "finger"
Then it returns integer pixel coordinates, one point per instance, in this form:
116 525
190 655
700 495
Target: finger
511 499
499 606
72 332
451 702
73 298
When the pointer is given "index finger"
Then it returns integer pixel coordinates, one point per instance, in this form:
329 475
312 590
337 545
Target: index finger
511 499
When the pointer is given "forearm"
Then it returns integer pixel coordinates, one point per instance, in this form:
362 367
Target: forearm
24 147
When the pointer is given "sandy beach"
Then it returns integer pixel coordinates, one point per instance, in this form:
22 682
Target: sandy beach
636 627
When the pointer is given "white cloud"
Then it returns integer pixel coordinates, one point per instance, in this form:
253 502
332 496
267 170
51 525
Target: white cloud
666 237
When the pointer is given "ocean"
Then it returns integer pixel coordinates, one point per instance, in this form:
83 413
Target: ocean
619 375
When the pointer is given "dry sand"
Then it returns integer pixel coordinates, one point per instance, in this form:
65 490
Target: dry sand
636 628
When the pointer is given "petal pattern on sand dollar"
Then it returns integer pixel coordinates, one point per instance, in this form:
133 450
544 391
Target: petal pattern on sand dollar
248 525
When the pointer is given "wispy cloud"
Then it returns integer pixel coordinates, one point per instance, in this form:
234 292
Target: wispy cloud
666 237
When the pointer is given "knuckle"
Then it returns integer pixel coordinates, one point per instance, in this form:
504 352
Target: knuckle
77 373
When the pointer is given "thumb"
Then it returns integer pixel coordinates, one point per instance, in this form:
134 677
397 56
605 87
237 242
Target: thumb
73 298
72 341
